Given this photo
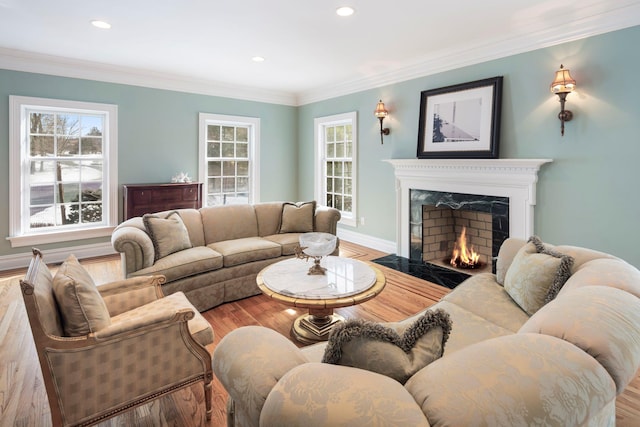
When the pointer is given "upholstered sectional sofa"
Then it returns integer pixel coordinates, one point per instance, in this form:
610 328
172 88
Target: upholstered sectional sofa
213 254
515 355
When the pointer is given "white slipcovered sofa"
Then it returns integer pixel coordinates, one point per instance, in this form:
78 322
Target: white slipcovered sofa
562 366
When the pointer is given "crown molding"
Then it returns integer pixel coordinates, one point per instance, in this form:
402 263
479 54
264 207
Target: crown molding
446 60
17 60
437 62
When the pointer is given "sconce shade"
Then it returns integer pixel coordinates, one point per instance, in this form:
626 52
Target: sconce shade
563 82
380 111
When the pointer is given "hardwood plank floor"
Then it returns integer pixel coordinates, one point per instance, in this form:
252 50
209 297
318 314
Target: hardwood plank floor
23 400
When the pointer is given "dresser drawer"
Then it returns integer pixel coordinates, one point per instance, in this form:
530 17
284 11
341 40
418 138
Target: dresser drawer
140 199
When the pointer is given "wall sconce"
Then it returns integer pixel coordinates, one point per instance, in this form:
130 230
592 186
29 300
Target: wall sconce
381 113
562 85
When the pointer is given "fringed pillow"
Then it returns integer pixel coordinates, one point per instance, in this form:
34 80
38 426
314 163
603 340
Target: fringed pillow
536 275
390 349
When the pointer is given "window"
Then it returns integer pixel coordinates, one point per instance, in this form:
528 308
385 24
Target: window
228 159
63 170
336 166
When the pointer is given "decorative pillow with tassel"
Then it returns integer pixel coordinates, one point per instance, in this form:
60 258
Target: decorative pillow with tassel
392 349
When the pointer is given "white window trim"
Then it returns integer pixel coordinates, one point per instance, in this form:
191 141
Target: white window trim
17 146
319 123
254 150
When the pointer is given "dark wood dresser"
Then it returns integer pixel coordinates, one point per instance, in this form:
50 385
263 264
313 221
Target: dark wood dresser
140 199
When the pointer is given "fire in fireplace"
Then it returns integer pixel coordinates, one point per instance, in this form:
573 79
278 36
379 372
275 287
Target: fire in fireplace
464 255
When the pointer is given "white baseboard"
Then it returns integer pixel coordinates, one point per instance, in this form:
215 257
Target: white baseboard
368 241
10 262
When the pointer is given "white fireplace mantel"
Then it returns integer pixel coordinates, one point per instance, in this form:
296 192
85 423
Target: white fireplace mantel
512 178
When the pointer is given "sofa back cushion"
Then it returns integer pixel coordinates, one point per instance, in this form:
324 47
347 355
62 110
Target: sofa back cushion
228 222
615 273
602 321
268 215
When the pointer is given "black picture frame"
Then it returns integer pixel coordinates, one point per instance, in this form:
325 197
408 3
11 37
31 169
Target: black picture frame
461 121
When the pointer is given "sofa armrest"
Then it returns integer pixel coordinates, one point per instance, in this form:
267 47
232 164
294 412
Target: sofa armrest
249 361
326 219
321 394
138 320
508 251
135 245
520 379
127 294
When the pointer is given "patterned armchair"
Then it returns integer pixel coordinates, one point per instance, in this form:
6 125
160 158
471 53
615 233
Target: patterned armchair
149 345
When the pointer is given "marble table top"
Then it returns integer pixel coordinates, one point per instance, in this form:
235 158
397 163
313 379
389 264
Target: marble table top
344 277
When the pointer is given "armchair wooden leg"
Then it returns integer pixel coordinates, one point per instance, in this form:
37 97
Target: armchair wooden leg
207 399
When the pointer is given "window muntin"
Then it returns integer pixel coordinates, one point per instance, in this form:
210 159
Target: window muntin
63 170
228 145
336 164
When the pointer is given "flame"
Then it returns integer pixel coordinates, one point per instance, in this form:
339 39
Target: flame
462 255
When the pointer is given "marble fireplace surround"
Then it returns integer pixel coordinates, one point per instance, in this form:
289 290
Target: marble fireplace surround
512 178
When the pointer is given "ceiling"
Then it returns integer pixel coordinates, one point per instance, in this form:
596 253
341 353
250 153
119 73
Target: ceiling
310 52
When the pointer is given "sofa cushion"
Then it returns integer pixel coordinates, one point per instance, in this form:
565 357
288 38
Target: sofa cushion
241 251
297 217
380 347
82 308
288 241
167 233
482 295
185 263
536 275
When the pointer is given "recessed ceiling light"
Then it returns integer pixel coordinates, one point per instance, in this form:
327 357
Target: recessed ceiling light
345 11
257 59
101 24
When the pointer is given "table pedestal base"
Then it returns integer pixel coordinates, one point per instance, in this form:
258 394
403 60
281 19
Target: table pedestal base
315 326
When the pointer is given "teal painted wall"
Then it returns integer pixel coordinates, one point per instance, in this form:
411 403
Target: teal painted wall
157 135
587 197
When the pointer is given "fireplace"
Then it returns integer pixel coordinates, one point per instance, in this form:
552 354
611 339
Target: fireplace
468 190
438 220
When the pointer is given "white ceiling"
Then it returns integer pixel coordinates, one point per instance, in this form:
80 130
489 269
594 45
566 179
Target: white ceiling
311 53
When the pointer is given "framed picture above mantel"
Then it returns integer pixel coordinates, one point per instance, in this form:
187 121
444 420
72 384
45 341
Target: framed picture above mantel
461 121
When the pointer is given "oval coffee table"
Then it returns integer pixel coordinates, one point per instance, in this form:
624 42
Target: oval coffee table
346 282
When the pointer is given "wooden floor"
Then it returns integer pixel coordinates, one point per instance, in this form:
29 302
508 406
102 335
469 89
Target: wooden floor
23 400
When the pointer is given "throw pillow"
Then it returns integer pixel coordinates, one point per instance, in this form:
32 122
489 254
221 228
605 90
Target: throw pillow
82 308
536 275
168 234
298 217
380 347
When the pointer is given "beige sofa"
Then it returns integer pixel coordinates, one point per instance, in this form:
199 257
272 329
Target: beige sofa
562 366
222 249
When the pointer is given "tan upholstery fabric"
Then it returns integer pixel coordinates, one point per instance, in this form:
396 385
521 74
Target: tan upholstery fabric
392 349
251 362
150 313
340 397
533 275
82 308
513 381
242 251
185 263
228 222
482 295
595 328
168 233
298 217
